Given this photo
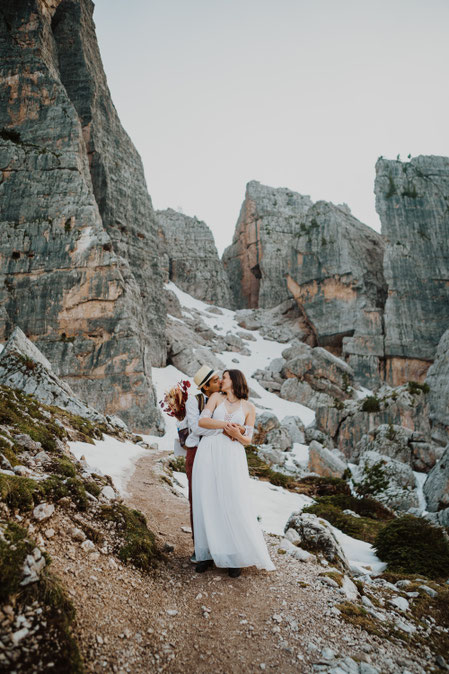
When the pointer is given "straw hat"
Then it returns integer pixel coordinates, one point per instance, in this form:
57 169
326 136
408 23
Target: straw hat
203 375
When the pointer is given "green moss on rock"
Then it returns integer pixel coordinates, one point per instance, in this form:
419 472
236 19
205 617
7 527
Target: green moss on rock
373 516
137 544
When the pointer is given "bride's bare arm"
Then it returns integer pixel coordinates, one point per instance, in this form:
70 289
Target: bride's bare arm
234 430
206 421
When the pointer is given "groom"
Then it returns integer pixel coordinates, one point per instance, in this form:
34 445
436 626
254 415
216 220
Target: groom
208 381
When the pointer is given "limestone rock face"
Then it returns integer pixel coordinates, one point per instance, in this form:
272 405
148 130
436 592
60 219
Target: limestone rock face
192 261
337 280
438 381
259 256
79 258
412 202
24 367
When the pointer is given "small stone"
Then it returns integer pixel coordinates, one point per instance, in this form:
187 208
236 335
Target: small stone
17 637
77 534
366 601
277 618
428 590
43 511
49 533
108 493
186 530
171 612
100 639
88 546
168 547
327 653
403 583
329 581
262 666
366 668
399 602
441 662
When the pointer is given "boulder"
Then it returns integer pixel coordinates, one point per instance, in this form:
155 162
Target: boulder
425 455
295 428
188 350
389 440
389 481
346 423
279 438
265 422
43 511
436 486
313 376
316 536
271 455
325 462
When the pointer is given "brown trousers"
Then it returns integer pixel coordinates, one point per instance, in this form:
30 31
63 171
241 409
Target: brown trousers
190 458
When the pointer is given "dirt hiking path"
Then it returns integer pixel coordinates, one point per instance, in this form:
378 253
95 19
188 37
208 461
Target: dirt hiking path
176 620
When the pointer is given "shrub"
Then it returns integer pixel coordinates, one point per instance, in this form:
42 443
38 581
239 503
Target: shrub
316 485
413 545
365 528
371 404
374 480
19 493
415 388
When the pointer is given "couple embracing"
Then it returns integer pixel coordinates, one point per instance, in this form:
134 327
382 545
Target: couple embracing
224 524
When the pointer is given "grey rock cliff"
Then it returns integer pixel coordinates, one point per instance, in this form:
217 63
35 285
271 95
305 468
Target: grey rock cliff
191 259
79 261
259 256
337 281
438 381
412 200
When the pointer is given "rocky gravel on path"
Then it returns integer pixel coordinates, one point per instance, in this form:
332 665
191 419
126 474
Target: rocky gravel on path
175 620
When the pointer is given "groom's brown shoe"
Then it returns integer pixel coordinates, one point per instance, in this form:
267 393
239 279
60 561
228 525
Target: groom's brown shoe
201 567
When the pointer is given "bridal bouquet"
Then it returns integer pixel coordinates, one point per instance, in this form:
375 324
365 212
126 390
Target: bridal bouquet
174 402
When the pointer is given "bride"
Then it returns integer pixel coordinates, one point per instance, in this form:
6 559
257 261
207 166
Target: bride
225 524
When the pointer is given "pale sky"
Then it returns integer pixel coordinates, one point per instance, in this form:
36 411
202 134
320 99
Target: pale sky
304 94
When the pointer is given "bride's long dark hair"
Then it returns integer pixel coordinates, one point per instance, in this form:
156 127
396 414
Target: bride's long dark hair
239 384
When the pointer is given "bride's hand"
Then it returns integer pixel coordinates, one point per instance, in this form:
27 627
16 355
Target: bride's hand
233 430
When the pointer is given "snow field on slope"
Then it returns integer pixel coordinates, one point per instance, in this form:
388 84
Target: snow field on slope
273 505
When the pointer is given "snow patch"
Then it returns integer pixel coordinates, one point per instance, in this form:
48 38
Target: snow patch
110 457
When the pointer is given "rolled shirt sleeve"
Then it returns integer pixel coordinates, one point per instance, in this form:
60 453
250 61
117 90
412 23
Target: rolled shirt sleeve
193 416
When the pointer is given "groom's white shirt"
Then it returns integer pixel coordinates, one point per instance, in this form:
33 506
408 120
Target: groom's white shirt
192 417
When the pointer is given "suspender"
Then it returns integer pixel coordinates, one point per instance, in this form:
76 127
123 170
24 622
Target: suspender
200 399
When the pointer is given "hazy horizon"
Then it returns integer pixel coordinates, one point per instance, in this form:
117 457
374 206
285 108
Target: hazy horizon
289 94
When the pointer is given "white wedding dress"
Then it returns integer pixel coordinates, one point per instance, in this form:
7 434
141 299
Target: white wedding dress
225 524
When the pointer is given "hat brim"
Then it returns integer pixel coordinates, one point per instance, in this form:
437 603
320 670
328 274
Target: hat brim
208 378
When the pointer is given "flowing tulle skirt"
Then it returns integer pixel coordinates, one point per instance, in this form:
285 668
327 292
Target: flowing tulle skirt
225 524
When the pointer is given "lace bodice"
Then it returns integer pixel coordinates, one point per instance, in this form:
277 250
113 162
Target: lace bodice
222 413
